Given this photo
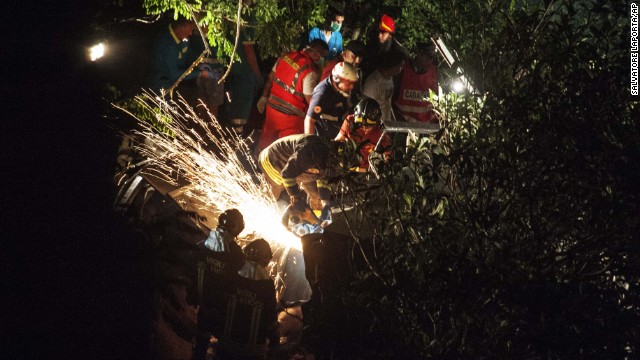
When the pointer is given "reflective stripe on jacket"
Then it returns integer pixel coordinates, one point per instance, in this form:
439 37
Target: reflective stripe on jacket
291 69
413 97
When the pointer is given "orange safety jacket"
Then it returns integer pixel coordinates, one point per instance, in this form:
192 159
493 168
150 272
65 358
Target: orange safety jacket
287 94
413 97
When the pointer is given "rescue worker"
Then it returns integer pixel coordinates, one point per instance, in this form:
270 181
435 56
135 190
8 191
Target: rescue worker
299 165
353 54
330 102
287 92
242 83
416 81
171 59
379 85
251 324
363 127
218 260
381 45
329 32
258 255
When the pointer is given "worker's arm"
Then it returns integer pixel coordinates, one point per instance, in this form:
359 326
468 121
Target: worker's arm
297 164
266 90
345 129
309 125
313 112
309 83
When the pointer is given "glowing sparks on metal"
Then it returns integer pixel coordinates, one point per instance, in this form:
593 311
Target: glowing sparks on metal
216 163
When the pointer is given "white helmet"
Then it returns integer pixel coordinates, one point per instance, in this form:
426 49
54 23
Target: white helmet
344 70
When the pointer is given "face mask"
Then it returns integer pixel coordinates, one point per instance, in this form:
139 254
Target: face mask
335 26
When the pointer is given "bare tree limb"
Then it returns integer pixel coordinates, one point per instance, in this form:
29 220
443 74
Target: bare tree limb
235 45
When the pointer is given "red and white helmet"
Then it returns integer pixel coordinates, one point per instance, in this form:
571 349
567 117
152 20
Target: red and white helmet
344 70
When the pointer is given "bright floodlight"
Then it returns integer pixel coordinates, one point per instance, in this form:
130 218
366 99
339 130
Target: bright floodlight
97 51
457 86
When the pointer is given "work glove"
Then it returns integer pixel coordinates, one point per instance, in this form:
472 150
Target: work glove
262 104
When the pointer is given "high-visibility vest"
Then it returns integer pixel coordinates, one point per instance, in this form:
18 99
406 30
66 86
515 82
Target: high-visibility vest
287 87
328 68
413 97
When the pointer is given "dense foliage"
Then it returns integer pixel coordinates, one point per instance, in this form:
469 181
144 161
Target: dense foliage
513 232
275 25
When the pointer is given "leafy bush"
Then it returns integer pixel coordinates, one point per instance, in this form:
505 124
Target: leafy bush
514 231
276 24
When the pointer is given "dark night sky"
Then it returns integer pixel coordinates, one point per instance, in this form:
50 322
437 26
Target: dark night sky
69 286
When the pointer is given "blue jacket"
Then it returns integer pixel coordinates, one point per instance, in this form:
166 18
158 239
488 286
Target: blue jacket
170 60
335 42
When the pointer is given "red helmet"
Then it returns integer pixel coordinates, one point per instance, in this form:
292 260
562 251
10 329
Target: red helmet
387 24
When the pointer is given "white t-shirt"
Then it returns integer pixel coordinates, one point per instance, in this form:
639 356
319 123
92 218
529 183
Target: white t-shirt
381 90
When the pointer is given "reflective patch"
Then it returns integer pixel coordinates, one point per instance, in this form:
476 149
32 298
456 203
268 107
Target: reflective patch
313 171
317 109
415 95
291 63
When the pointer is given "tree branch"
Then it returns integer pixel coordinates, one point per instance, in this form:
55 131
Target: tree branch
235 45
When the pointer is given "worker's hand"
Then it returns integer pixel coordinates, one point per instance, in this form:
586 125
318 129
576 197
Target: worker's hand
262 104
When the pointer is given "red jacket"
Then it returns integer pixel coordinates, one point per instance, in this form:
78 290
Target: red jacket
328 68
366 140
414 92
290 70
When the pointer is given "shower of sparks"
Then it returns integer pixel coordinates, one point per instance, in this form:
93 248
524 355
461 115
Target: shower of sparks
226 178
